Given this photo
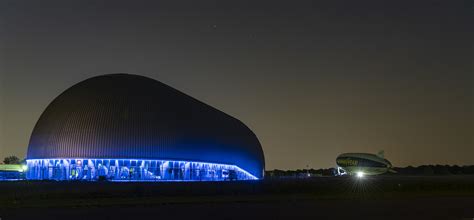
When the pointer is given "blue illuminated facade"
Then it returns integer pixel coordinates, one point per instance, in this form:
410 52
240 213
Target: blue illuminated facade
133 170
123 127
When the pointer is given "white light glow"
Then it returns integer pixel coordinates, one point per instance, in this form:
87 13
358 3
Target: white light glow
360 174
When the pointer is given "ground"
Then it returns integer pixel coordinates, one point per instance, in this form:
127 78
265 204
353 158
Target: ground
382 197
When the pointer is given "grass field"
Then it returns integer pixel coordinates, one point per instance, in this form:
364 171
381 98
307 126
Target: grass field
441 196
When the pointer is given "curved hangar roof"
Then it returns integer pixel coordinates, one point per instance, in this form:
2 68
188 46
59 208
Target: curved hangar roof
134 117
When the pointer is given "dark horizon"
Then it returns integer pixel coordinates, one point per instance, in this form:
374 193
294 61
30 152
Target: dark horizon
311 79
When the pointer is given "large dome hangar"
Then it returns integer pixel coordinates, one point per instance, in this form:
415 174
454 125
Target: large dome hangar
124 127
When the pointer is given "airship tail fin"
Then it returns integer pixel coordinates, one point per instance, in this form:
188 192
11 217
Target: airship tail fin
381 154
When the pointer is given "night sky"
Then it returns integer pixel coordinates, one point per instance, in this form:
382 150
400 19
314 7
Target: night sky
312 79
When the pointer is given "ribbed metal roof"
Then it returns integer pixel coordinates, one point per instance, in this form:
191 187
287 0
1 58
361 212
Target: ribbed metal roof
130 116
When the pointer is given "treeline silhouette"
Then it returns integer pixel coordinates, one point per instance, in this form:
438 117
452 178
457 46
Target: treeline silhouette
435 170
410 170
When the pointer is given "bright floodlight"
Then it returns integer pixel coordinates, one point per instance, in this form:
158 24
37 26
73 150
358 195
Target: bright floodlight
360 174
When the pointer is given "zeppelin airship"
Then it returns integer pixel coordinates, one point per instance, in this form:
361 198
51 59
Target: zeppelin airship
361 164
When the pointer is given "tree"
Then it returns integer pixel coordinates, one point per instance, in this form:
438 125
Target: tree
427 170
11 160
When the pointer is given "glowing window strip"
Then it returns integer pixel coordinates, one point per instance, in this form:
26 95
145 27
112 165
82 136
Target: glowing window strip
237 168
